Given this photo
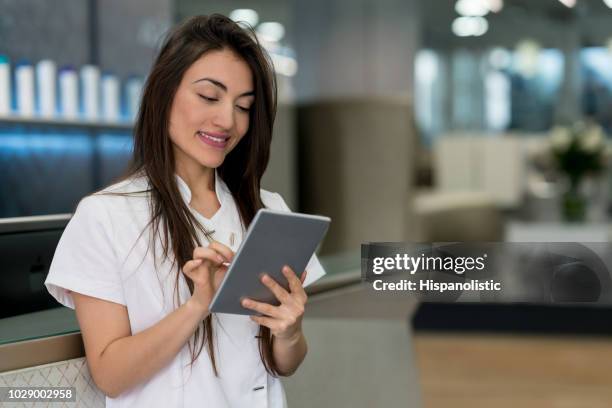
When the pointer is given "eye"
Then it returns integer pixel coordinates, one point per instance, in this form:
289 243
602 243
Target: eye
208 99
243 109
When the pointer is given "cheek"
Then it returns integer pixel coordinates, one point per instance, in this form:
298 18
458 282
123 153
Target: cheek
185 110
174 129
242 125
177 120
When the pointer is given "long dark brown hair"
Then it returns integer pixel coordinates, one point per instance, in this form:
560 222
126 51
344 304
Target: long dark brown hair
241 170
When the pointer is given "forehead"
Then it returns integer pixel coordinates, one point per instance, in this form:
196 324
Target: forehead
224 66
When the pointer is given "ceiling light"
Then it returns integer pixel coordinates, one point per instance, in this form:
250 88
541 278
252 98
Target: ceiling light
568 3
470 26
271 31
248 16
472 8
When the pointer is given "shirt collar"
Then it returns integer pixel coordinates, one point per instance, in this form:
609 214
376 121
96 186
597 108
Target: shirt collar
220 189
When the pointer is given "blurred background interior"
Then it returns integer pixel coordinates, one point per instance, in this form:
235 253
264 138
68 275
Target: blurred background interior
402 120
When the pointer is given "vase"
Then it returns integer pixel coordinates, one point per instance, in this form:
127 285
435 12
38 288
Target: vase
574 205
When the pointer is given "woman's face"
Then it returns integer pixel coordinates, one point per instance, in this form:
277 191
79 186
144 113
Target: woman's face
210 111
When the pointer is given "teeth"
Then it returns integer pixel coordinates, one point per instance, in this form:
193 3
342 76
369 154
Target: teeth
215 139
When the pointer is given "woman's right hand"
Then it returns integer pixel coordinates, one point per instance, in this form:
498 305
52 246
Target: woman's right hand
206 270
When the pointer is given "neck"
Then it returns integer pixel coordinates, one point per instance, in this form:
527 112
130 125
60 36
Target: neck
199 179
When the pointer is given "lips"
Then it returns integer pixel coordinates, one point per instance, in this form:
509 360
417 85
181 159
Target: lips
218 140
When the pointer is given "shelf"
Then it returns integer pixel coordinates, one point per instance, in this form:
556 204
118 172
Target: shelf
59 122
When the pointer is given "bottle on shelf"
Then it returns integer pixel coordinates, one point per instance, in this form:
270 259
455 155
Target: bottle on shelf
24 81
45 80
69 92
5 85
90 91
44 91
110 97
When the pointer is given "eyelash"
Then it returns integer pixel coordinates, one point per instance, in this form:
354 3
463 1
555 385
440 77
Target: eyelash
210 100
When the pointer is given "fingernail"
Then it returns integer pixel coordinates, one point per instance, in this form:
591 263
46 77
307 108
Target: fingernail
198 261
220 258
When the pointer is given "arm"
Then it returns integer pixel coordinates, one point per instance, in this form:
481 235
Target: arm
284 321
289 353
119 360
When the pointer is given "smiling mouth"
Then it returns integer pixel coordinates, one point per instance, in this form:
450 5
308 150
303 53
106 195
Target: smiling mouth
215 141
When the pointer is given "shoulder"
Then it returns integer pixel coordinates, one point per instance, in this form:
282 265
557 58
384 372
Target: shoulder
112 205
273 201
121 196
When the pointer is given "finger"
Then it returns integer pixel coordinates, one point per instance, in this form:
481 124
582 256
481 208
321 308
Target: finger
279 292
268 322
224 250
294 282
208 254
303 277
261 307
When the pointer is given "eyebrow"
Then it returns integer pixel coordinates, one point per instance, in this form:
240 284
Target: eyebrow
221 85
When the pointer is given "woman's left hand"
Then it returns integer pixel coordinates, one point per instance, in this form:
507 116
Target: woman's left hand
285 320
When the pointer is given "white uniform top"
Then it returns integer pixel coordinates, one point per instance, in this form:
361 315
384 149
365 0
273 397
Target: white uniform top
100 254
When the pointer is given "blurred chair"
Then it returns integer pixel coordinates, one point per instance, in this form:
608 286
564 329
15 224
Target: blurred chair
457 216
493 164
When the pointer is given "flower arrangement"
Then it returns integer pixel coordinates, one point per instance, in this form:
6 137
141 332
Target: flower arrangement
579 151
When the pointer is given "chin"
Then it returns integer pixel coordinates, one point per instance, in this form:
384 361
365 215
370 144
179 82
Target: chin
212 162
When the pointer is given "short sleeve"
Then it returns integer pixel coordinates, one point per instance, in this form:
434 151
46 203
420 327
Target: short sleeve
314 269
85 260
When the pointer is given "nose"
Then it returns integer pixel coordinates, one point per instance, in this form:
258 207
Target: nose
224 116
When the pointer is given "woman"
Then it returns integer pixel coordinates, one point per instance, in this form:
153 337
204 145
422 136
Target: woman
141 260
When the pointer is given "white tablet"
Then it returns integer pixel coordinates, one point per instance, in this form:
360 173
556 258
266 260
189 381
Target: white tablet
274 239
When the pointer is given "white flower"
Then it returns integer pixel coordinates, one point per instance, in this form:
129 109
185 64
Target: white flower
591 141
560 138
